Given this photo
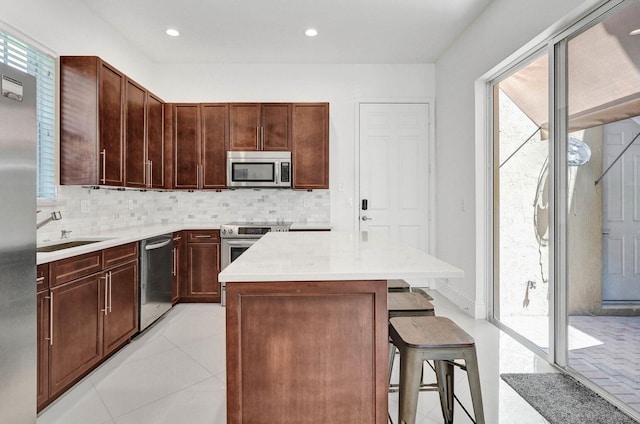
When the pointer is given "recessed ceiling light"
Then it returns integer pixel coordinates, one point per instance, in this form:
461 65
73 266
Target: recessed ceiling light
311 32
173 32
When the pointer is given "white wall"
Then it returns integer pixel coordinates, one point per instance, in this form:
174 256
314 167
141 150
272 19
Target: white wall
68 27
340 85
503 28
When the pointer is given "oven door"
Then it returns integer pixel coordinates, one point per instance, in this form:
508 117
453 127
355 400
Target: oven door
233 248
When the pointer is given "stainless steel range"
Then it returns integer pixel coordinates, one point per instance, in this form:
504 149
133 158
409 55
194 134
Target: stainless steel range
237 237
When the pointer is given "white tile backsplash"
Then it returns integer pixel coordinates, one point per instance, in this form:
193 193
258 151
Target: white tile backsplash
87 211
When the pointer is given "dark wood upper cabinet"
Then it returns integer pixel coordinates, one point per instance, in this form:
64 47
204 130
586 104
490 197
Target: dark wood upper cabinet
135 140
186 146
310 146
110 115
111 129
215 131
79 119
155 142
200 140
276 126
244 126
260 126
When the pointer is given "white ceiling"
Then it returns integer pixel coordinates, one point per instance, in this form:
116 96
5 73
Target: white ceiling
272 31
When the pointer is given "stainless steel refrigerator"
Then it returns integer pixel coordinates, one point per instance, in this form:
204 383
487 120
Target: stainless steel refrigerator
17 247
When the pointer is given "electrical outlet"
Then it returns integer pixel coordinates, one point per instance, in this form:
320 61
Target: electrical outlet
131 204
84 206
306 203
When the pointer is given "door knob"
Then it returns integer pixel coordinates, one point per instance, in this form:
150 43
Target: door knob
366 218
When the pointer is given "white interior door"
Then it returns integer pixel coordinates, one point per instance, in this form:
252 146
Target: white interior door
394 171
621 214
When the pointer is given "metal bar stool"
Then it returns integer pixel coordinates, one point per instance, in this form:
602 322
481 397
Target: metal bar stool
405 304
422 338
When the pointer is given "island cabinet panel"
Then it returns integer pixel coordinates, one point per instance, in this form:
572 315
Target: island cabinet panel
310 142
307 352
76 330
121 315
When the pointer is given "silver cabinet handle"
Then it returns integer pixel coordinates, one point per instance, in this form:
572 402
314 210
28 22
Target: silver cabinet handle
106 294
39 279
261 138
174 261
366 218
258 138
151 174
50 339
110 289
103 153
202 236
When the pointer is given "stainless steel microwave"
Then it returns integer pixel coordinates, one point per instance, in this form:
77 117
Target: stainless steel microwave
259 169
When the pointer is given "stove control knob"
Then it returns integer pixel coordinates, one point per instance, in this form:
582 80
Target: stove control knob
224 231
230 231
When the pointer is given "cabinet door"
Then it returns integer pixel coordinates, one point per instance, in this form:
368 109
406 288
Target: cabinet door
276 126
155 141
76 326
215 120
178 253
43 348
310 144
79 120
136 164
121 318
110 111
204 266
244 126
186 146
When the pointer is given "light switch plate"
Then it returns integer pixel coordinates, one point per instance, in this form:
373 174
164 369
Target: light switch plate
84 206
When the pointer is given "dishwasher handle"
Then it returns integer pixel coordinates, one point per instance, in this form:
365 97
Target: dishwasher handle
157 245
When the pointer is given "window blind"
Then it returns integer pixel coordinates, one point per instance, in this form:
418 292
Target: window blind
32 61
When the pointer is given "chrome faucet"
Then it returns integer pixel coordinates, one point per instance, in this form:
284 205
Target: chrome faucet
55 216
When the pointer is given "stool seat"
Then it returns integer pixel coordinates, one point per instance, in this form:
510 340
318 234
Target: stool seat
424 338
398 286
408 304
429 332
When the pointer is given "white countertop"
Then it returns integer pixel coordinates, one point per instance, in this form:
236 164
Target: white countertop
116 238
127 235
329 256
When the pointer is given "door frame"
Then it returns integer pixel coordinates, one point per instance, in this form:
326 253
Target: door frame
430 102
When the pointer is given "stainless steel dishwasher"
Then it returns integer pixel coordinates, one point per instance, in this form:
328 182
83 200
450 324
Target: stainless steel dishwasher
155 278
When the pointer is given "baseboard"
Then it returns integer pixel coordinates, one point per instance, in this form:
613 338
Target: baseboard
474 308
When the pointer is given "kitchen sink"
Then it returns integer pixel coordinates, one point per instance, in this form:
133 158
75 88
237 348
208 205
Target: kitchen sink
65 245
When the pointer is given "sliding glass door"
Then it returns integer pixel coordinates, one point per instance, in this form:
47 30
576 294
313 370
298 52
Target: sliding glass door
566 197
521 201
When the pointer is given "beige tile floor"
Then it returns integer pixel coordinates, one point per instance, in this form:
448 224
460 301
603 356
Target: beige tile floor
175 373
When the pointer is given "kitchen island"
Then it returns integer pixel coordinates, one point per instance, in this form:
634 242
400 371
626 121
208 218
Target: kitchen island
307 326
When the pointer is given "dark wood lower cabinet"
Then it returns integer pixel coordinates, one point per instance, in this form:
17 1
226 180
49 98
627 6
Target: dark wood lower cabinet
121 317
76 330
203 269
43 348
178 266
